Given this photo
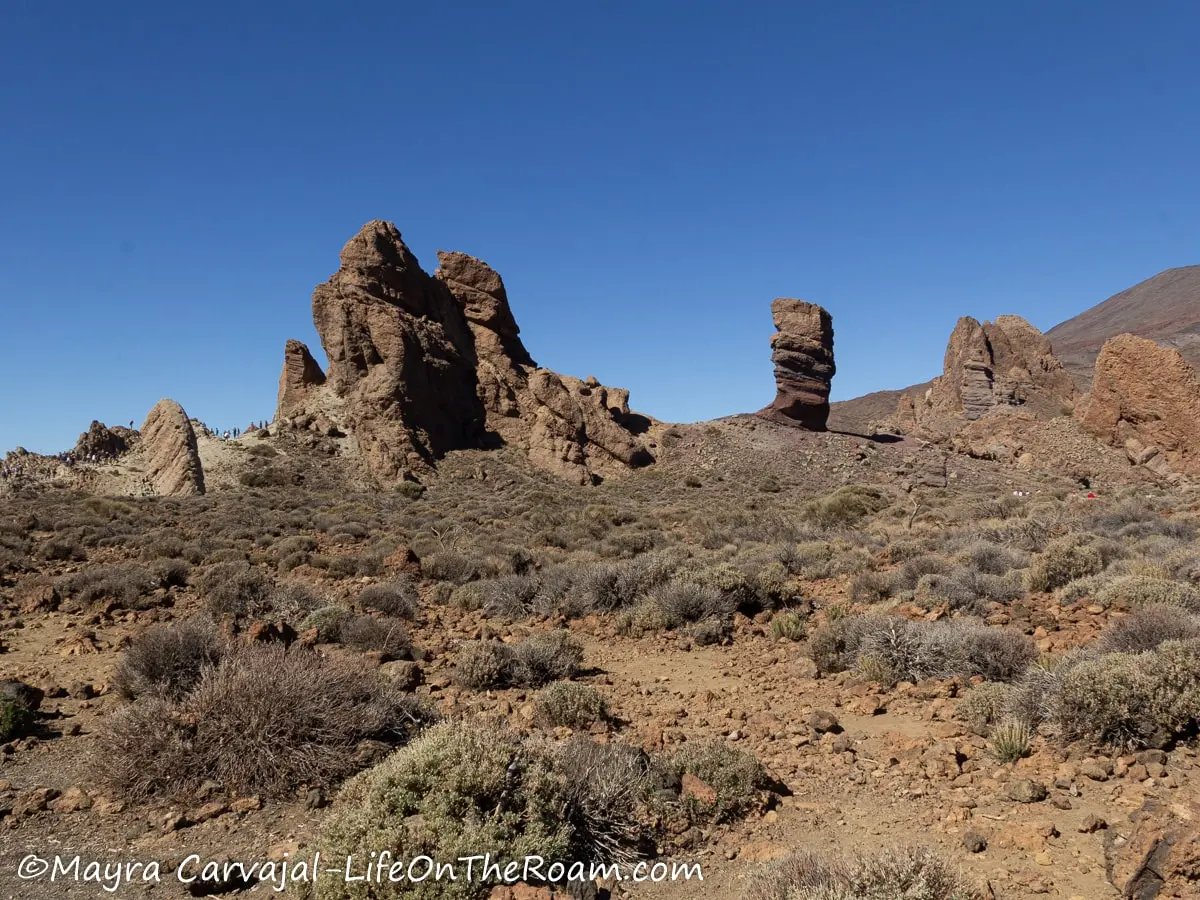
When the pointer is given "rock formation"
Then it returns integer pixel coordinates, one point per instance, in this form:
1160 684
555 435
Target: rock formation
1146 399
1000 364
102 442
169 446
421 365
802 351
300 374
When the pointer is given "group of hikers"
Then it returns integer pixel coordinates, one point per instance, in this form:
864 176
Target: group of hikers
229 433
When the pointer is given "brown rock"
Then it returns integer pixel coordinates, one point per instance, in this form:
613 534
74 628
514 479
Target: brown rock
802 351
169 445
1146 399
698 790
300 374
73 799
101 441
421 365
1161 857
994 366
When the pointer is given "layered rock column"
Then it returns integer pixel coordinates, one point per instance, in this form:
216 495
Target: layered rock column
802 351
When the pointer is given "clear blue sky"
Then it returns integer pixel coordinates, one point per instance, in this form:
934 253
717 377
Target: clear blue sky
646 177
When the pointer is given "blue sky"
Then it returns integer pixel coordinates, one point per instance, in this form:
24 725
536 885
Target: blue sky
646 177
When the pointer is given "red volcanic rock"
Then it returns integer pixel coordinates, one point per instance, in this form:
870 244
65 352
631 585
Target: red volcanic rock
1146 399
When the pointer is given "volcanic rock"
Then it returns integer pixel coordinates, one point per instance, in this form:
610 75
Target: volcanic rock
101 441
1146 399
300 374
999 364
1161 856
420 366
802 351
169 445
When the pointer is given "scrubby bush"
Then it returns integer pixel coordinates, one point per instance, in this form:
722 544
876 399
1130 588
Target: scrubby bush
168 659
846 506
908 874
871 587
264 721
381 634
788 626
984 706
484 665
115 586
472 788
328 622
16 721
684 603
890 649
1148 627
570 704
236 589
395 598
1131 591
1062 561
545 657
736 778
993 559
1130 699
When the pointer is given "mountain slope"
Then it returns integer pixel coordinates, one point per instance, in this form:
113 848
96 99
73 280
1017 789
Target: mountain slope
1165 308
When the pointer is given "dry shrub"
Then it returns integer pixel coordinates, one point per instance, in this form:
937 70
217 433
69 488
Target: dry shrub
381 634
906 874
1132 591
846 506
737 779
264 721
1061 562
1130 699
463 788
683 603
890 649
169 659
549 656
236 589
396 598
117 586
531 662
570 704
328 622
984 705
1147 628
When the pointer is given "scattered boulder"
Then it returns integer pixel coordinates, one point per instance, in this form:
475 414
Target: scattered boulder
21 694
421 365
169 444
802 351
1145 399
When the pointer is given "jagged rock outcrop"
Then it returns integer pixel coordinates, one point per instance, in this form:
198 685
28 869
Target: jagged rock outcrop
995 365
102 442
301 373
802 351
420 365
1146 400
169 446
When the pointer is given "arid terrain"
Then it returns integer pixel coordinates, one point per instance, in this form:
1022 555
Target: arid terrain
449 602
